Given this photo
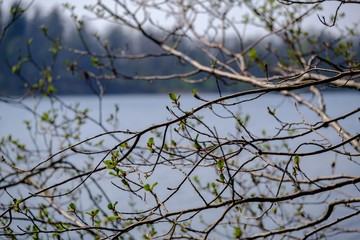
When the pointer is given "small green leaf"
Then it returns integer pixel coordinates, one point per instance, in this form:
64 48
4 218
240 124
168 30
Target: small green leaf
16 68
296 159
113 218
51 88
172 96
45 116
107 162
150 142
222 177
220 164
96 212
297 162
99 143
197 145
275 210
106 42
41 82
213 64
237 232
123 146
72 206
271 112
147 187
196 138
196 179
123 172
125 182
252 54
44 29
95 61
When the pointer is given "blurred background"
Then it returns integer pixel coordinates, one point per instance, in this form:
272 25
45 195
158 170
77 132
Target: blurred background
58 21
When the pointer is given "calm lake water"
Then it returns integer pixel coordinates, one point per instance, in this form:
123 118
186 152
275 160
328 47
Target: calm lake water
137 112
140 111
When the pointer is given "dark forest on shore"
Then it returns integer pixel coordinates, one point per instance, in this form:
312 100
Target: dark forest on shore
40 38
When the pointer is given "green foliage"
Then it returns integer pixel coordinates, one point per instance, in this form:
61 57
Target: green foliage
112 206
150 144
95 61
72 207
234 175
220 164
93 214
196 143
252 55
237 232
44 30
126 183
149 188
16 68
271 112
296 165
213 64
16 203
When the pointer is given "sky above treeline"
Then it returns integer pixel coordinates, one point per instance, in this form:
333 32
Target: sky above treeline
329 8
351 10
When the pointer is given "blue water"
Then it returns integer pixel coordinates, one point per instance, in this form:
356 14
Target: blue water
138 112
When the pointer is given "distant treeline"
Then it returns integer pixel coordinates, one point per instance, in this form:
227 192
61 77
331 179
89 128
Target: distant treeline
27 33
